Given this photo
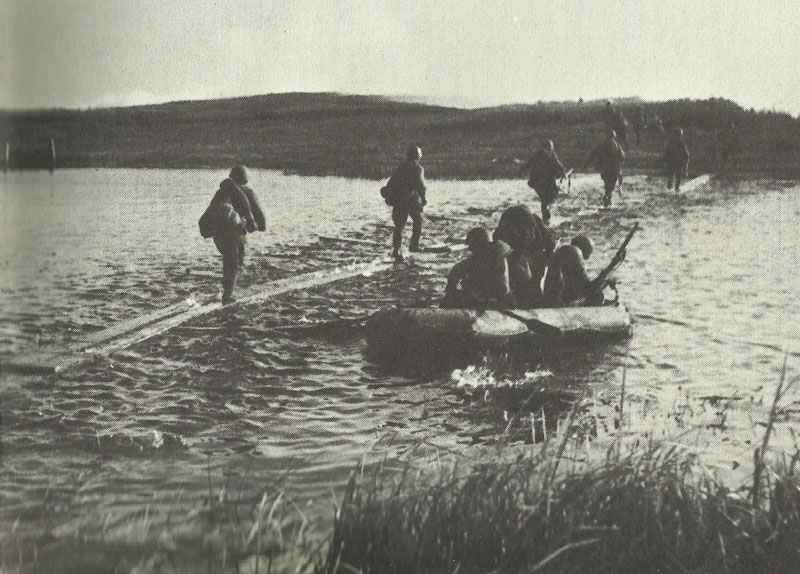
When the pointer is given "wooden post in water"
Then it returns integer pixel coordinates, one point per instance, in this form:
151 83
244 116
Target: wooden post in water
7 156
52 155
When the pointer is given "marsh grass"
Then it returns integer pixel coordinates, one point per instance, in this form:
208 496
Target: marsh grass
634 504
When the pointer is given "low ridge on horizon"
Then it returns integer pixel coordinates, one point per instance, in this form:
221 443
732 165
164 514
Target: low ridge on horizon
422 101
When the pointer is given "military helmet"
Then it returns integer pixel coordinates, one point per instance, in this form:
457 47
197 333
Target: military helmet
239 174
583 243
414 152
477 237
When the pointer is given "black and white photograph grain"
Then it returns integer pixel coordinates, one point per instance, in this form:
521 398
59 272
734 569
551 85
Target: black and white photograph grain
399 287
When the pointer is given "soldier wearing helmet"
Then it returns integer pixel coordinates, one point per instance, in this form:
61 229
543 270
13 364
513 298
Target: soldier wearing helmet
234 212
544 168
567 281
676 156
405 192
607 158
481 280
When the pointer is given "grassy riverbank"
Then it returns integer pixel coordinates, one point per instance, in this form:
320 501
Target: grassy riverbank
330 134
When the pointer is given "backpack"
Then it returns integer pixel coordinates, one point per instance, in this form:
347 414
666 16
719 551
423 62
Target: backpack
389 194
208 221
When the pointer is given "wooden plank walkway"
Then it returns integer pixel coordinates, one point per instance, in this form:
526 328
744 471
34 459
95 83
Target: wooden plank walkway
127 333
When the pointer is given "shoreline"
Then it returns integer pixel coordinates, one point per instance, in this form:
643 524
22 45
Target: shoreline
789 174
320 135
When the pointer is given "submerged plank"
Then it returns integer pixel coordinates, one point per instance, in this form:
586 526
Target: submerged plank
695 183
129 333
353 240
50 360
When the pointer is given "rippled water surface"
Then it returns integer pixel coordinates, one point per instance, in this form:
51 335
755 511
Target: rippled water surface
711 278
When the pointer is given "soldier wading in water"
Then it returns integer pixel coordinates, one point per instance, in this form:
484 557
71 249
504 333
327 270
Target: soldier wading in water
234 212
405 192
545 168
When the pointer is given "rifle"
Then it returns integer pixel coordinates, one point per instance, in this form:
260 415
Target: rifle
599 282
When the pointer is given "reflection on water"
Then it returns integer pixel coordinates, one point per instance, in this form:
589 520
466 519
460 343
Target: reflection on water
711 277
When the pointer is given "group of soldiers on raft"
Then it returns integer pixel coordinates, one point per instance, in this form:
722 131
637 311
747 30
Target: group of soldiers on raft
506 269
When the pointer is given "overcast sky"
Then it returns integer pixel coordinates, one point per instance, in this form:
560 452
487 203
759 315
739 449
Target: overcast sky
80 53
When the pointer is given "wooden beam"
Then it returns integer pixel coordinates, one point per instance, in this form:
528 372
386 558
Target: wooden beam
365 242
695 183
129 333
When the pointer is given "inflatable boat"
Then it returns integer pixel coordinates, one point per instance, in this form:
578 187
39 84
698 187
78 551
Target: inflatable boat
392 332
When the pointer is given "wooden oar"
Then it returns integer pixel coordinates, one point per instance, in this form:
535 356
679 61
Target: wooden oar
534 325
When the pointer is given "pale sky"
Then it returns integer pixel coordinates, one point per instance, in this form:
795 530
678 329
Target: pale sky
82 53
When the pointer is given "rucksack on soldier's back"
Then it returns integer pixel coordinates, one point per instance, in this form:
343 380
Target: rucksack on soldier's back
388 194
219 218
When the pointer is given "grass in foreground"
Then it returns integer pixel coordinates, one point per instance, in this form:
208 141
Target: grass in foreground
643 507
573 503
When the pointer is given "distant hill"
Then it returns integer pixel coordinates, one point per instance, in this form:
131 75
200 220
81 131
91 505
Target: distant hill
352 135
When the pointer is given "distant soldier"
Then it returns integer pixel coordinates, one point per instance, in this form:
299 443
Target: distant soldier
657 125
615 120
544 168
405 192
532 246
481 280
567 281
729 145
639 123
607 158
233 212
676 156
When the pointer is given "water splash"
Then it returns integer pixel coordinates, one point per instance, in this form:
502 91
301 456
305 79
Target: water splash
482 376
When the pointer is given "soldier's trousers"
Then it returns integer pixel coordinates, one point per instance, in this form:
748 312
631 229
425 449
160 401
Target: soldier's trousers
400 216
610 180
232 248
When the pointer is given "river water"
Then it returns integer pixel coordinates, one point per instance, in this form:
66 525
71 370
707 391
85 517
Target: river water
228 399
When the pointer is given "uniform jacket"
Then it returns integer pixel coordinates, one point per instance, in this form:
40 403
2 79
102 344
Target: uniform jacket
566 279
676 154
607 157
545 167
407 186
483 275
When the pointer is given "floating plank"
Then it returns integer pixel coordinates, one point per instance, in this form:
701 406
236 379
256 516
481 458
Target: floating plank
353 240
142 328
473 220
695 183
51 360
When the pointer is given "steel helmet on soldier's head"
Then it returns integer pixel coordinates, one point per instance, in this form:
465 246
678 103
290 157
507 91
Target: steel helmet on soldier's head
414 152
584 244
239 174
478 237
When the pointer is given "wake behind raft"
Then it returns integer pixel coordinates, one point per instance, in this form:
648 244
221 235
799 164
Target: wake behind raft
397 333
